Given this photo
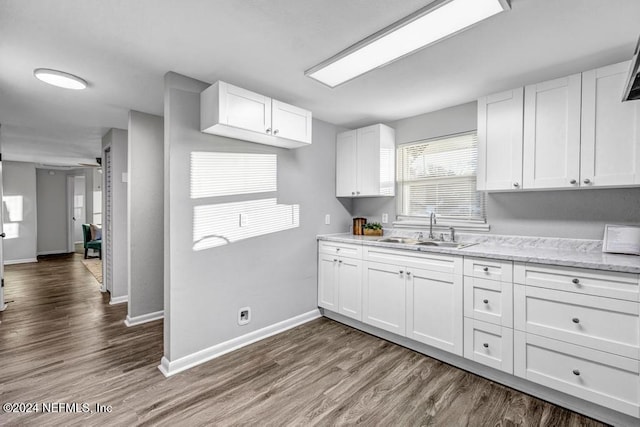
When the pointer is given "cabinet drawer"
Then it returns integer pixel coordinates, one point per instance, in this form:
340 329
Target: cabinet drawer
426 261
603 323
488 269
489 301
602 378
580 280
342 249
489 344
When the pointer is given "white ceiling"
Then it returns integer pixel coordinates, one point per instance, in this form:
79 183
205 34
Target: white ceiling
123 48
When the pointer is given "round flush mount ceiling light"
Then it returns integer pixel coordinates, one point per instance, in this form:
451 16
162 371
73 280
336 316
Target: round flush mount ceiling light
60 78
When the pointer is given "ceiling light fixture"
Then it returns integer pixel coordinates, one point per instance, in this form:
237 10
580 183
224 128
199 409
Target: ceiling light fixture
60 78
434 22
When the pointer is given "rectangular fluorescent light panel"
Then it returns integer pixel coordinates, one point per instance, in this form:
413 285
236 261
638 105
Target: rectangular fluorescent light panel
428 25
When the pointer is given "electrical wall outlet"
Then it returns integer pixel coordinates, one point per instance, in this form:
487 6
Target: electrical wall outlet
244 315
385 218
327 219
244 220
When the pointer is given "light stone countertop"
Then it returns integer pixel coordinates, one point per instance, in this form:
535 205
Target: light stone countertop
555 251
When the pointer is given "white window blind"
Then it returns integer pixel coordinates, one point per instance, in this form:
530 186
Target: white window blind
439 175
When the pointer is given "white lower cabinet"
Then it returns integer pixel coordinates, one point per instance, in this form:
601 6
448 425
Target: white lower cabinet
384 294
434 309
340 284
489 344
603 378
574 330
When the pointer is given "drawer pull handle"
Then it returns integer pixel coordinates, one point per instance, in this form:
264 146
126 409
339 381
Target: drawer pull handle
576 281
576 372
485 269
485 345
575 320
486 301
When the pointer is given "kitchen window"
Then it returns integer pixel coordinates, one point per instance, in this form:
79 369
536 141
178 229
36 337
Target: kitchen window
439 175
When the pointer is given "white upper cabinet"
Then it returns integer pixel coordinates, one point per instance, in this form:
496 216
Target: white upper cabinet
610 154
291 122
500 141
234 112
346 169
365 162
552 133
577 133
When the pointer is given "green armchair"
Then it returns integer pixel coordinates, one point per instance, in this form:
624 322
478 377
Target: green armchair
90 244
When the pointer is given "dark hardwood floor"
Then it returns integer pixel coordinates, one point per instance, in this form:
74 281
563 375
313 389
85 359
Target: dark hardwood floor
60 342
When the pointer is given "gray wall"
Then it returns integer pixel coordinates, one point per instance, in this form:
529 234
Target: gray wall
145 213
570 213
274 274
117 140
52 211
19 183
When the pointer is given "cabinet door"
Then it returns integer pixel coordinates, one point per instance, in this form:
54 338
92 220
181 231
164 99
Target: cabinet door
346 157
500 141
552 133
610 152
350 287
244 109
368 161
290 122
327 282
384 297
434 309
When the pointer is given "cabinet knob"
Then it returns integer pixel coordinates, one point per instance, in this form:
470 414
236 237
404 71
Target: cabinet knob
334 260
337 249
401 271
575 320
357 192
573 181
515 184
485 345
275 132
340 262
408 273
575 281
268 130
587 181
353 193
576 372
486 301
485 269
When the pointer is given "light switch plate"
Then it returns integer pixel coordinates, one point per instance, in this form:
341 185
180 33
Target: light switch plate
244 220
327 219
385 218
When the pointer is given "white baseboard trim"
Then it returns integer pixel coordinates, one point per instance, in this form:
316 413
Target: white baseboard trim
20 261
119 300
169 368
53 252
139 320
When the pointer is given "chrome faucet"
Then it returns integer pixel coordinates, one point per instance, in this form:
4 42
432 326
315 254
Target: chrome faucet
432 220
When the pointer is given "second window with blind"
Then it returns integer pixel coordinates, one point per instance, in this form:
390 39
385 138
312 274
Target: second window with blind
439 175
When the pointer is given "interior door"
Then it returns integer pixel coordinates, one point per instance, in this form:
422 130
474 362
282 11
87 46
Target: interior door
79 207
3 305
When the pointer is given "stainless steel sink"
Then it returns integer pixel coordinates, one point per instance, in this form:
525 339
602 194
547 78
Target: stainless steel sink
437 243
402 240
457 245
